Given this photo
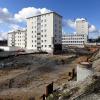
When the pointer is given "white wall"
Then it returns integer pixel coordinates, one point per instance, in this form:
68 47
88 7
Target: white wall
82 27
77 40
47 31
17 38
7 48
83 73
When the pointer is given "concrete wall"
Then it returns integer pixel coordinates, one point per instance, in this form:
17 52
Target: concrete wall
83 73
7 48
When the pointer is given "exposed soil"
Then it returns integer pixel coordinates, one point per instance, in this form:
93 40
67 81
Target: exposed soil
25 77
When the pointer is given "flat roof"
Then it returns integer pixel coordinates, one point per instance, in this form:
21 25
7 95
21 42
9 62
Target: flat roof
45 14
17 31
85 65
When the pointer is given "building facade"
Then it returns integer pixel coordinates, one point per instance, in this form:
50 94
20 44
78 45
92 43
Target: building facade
82 26
44 32
17 38
77 40
84 69
80 37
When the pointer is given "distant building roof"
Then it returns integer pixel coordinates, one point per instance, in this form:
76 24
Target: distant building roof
19 30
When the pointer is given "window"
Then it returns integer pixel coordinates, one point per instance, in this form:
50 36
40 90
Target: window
45 46
38 43
55 25
42 40
38 23
41 25
38 38
38 34
35 40
49 45
45 20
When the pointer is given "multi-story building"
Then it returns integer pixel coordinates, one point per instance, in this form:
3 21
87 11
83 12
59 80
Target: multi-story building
82 26
44 32
17 38
77 40
80 37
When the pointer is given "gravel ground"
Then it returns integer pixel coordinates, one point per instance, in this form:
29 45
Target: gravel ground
26 76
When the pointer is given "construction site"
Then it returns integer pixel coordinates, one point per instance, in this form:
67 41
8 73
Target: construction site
24 76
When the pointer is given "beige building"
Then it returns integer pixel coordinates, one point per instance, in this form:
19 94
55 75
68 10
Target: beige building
82 26
77 40
17 38
44 32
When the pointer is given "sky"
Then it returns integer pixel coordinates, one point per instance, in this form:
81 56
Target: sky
13 14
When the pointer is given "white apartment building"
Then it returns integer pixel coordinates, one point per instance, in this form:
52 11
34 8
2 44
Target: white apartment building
82 26
17 38
44 32
80 37
77 40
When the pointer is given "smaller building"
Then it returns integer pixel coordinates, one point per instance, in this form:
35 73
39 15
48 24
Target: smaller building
17 38
82 26
84 70
77 40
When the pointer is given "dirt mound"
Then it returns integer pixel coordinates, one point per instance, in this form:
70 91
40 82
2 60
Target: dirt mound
78 91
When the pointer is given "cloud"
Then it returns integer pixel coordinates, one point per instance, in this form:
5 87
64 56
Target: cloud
10 21
92 29
72 24
15 27
6 16
3 35
29 12
80 19
6 21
